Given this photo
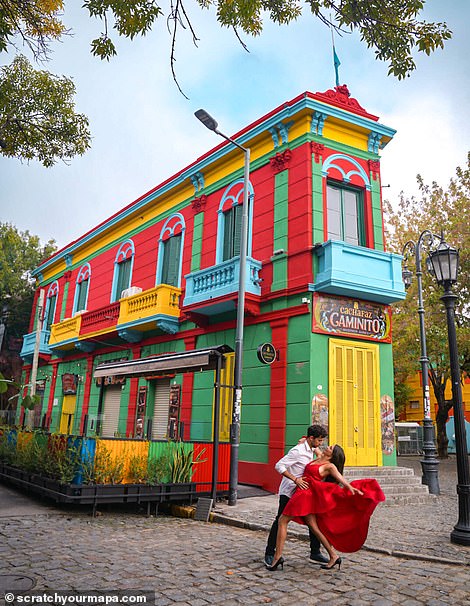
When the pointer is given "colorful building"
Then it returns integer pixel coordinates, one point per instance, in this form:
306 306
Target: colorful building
161 277
413 410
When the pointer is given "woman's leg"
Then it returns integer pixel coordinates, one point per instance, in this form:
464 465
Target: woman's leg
281 535
311 522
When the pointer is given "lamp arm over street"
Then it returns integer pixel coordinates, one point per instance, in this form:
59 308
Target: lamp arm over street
211 124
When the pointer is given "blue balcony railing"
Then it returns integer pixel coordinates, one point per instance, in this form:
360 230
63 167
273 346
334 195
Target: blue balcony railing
29 342
221 280
355 271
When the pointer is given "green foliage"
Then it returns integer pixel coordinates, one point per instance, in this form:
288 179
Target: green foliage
388 26
20 253
137 469
103 468
181 467
7 446
37 115
51 456
130 19
34 22
158 470
436 209
28 402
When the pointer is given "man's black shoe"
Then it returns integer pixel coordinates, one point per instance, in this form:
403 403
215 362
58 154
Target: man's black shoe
269 559
318 558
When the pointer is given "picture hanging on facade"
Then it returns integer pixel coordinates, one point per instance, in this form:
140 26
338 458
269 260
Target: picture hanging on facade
345 317
388 424
320 409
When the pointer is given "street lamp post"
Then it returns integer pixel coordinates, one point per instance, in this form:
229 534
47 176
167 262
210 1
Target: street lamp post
212 125
444 261
430 463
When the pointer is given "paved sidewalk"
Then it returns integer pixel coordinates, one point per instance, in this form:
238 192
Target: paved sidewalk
419 532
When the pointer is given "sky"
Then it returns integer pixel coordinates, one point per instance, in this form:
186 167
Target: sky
144 129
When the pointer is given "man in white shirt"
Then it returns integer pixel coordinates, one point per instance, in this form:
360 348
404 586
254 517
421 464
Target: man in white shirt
292 466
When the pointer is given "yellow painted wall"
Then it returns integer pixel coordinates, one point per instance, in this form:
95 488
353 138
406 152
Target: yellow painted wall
414 407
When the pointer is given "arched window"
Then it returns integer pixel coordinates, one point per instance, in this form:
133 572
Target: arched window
81 288
51 304
170 247
230 219
345 218
123 264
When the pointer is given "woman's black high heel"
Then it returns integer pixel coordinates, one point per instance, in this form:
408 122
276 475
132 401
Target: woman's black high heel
337 562
275 566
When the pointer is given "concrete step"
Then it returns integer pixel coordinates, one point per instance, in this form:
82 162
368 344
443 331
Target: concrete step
375 472
399 484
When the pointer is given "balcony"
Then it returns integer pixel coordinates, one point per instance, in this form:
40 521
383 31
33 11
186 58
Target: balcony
64 335
206 287
29 343
154 308
354 271
99 321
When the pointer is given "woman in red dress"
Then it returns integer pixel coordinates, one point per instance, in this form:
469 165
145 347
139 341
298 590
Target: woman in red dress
338 515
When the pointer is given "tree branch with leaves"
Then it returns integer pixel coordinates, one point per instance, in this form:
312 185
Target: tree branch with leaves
435 209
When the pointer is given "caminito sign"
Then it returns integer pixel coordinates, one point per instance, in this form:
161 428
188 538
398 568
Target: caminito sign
351 317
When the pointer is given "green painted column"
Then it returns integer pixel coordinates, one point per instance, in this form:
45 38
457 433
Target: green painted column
317 198
280 239
197 242
377 218
64 301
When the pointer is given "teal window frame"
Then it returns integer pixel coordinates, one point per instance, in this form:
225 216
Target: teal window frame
349 226
82 287
170 251
51 305
229 221
123 268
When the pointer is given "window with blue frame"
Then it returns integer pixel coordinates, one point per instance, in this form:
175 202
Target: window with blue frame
51 304
345 214
81 288
232 231
170 249
230 220
123 265
171 260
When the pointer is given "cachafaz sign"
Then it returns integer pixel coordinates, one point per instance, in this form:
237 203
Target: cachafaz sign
351 317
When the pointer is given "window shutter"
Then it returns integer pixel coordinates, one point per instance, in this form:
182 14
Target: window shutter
82 295
112 405
124 277
50 311
171 261
161 410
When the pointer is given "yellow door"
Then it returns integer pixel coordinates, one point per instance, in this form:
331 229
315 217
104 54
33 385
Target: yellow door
355 401
68 411
226 397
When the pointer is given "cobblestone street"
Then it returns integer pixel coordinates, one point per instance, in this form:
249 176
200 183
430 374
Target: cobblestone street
198 563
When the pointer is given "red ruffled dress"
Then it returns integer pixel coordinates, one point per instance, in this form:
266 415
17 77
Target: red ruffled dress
341 516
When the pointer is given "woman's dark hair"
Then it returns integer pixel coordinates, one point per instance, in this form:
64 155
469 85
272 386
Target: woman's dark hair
338 458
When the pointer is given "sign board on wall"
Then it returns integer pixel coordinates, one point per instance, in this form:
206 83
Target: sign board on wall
69 384
345 317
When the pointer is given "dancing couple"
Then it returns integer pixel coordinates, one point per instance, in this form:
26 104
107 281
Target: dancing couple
314 492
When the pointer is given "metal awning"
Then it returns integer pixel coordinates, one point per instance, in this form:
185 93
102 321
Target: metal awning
186 361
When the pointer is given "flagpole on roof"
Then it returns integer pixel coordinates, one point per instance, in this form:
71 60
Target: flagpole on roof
336 60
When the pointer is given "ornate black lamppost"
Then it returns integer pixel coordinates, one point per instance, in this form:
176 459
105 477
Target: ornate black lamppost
444 265
430 463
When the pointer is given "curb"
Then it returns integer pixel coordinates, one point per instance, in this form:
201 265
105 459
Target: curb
218 518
